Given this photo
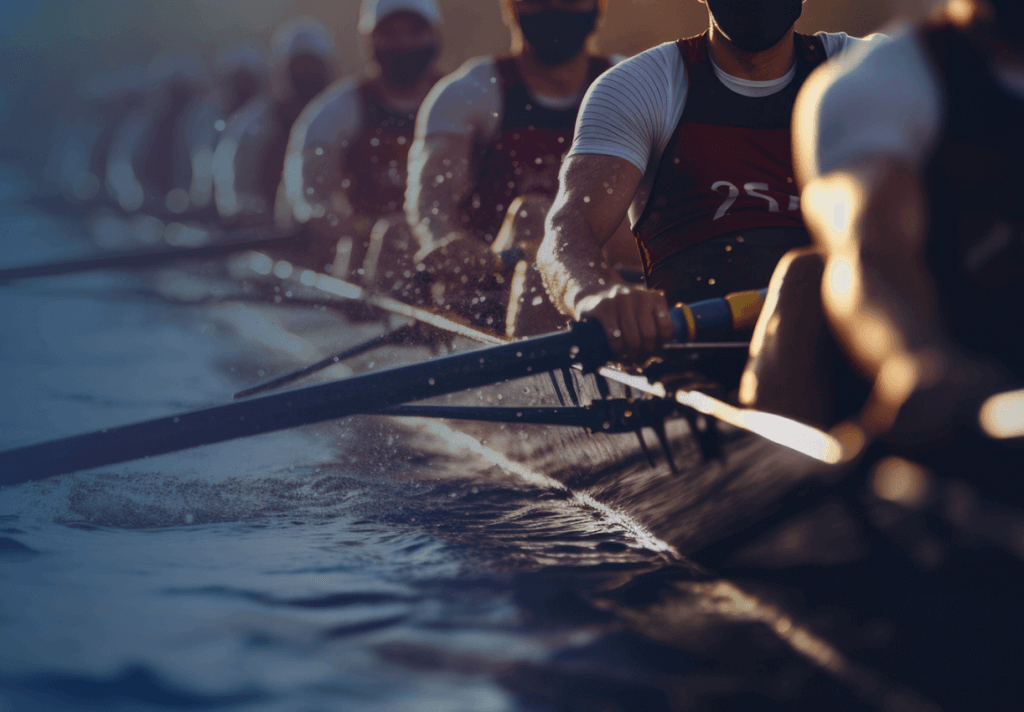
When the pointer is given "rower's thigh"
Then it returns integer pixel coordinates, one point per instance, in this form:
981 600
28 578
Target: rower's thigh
785 373
388 264
524 225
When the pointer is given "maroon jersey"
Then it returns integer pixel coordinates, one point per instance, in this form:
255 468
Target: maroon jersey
975 190
375 160
525 155
727 172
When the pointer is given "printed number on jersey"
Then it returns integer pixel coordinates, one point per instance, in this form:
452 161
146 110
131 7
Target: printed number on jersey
754 190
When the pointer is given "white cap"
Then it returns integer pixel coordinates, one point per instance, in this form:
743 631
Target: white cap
302 35
376 10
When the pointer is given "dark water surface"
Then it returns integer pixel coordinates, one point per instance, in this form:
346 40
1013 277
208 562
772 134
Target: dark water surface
350 565
317 569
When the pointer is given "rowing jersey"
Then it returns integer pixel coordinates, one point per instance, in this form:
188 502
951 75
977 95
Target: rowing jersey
346 160
930 98
519 138
717 206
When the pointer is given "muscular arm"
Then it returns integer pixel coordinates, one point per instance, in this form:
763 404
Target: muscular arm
870 222
592 203
313 189
438 182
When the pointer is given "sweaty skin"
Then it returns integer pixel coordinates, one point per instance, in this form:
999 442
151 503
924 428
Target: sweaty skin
593 201
869 220
594 197
314 188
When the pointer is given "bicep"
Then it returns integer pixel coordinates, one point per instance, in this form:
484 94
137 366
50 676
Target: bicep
597 189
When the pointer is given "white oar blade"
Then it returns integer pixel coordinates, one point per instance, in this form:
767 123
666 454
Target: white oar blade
776 428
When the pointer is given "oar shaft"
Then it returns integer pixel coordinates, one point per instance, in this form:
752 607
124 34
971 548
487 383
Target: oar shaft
139 259
367 393
283 380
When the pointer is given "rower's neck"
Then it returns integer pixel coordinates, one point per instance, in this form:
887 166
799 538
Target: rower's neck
773 63
569 79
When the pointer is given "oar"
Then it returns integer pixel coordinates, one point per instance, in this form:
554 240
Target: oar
399 335
697 323
584 344
137 259
264 264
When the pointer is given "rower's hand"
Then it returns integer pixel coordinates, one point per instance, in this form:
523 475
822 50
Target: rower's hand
635 320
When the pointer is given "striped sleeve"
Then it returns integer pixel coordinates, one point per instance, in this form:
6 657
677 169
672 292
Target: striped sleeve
631 111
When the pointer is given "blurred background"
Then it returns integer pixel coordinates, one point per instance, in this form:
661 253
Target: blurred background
49 48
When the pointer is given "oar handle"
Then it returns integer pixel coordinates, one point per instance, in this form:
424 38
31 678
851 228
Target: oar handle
715 319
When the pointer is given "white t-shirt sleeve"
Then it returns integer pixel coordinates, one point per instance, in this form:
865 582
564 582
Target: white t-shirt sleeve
884 100
466 102
239 157
631 111
313 164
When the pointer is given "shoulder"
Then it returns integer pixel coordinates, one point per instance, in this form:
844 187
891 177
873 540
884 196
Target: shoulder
836 43
877 71
333 115
654 65
467 101
882 97
478 75
659 70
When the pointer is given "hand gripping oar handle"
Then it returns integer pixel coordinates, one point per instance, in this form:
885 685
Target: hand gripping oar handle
583 344
714 319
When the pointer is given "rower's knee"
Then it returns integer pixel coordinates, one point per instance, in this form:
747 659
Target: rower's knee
785 374
530 310
524 225
388 264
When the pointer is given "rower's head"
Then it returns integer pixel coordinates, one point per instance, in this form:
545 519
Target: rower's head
175 79
753 25
304 57
241 73
554 31
403 37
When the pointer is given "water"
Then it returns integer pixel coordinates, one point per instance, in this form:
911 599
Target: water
358 564
313 569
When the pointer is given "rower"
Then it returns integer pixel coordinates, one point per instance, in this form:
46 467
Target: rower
150 166
249 158
691 139
910 159
484 167
240 73
76 163
346 164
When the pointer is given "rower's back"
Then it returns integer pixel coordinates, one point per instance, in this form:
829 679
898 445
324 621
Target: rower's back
975 195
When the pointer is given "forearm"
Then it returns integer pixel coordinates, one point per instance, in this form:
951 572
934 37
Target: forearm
571 261
438 183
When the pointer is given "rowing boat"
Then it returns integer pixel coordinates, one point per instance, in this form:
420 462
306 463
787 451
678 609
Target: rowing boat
725 478
687 478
